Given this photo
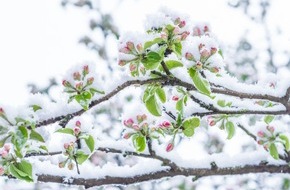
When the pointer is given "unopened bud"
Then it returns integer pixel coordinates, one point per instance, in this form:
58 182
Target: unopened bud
77 131
212 123
65 83
4 153
166 124
2 171
169 147
196 31
184 35
270 128
7 147
198 65
143 70
136 127
144 125
213 50
124 50
61 164
272 85
214 69
130 46
261 134
128 122
139 48
77 76
78 123
176 30
200 46
205 53
70 166
86 70
132 67
66 145
189 56
164 36
127 135
175 98
261 142
79 86
122 62
139 118
182 24
205 28
177 21
90 81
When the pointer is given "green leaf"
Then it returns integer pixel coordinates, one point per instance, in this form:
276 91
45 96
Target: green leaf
201 84
176 48
221 53
2 141
3 130
161 94
86 95
65 131
93 91
82 101
179 105
81 157
146 94
22 170
36 136
171 64
139 143
221 103
151 43
189 126
151 60
90 143
152 106
268 119
20 137
230 127
36 107
42 147
286 142
273 151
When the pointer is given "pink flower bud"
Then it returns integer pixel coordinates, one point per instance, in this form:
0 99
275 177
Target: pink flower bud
65 83
266 147
132 67
177 21
200 46
78 124
164 36
169 147
139 118
128 122
212 123
122 62
213 50
214 69
90 81
136 127
140 48
205 53
2 171
270 128
272 85
7 147
124 50
182 24
130 46
77 76
79 86
66 145
184 35
196 31
198 65
144 125
205 28
166 124
261 134
77 131
142 70
188 56
175 98
176 30
127 135
1 111
261 142
86 70
144 117
4 153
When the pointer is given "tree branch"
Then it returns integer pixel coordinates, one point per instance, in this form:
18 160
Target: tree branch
87 183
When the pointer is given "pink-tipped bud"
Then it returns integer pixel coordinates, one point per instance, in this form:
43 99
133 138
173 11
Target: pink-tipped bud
77 76
266 147
189 56
175 98
132 67
78 124
136 127
166 124
196 31
127 135
70 166
164 36
86 70
2 171
261 134
215 69
122 62
144 125
169 147
198 65
1 111
79 86
212 123
130 46
66 145
261 142
271 129
143 70
128 122
182 24
205 53
124 50
213 50
200 46
184 35
7 147
272 85
90 81
4 153
77 131
139 48
177 21
65 83
139 118
205 28
144 117
176 30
